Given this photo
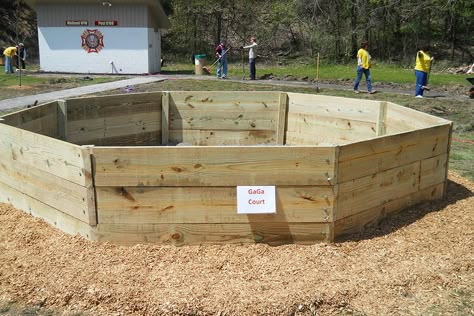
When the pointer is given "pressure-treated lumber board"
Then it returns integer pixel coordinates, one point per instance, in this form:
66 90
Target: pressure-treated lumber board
360 221
142 139
282 127
223 121
299 139
54 217
41 119
400 118
155 205
110 118
165 118
358 195
342 108
190 234
53 156
329 127
213 166
433 171
381 120
57 192
371 156
221 138
62 120
224 100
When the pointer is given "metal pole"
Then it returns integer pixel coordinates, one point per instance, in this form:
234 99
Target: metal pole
17 42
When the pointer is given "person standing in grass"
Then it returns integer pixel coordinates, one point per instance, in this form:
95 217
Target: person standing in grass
363 67
9 53
422 69
221 54
252 56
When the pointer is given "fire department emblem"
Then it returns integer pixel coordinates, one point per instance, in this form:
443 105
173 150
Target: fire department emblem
92 41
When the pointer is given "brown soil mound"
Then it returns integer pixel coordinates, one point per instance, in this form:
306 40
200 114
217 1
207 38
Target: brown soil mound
418 262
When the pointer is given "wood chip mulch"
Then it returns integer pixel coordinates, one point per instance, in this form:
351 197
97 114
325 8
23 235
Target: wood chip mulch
419 262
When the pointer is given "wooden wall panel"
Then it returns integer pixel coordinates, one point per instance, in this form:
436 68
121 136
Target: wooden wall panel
303 127
193 112
221 138
377 189
41 119
359 222
159 205
334 107
52 216
402 119
50 155
433 171
213 166
190 234
371 156
106 120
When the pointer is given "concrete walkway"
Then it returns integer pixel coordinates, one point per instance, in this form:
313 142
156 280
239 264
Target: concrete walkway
61 94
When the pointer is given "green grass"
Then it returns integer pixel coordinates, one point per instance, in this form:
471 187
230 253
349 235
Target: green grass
382 72
30 78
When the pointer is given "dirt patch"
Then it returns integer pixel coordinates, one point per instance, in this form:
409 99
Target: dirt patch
418 262
18 87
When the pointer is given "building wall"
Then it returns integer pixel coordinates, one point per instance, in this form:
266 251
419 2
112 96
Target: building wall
127 15
130 47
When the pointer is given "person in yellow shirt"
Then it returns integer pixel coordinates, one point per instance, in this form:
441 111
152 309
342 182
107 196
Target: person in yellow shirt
422 69
9 53
363 67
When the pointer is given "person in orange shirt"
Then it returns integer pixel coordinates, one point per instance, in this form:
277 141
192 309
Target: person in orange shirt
9 53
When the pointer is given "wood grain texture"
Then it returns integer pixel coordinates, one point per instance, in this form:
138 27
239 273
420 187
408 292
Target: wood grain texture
160 205
193 234
213 166
371 156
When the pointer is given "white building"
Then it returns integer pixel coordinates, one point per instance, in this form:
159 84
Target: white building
96 36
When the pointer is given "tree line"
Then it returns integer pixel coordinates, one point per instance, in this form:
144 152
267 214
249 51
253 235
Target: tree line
395 29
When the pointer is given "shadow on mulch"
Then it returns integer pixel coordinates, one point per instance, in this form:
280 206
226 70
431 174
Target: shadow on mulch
456 192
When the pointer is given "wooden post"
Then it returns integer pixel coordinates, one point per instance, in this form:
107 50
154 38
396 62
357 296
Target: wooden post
282 115
445 190
62 120
381 124
165 112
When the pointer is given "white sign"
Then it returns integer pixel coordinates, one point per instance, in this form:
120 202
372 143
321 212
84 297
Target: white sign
256 200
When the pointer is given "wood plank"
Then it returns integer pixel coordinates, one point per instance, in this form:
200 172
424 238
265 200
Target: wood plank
381 120
330 127
342 108
298 139
212 122
128 126
371 217
159 205
86 108
213 166
372 156
47 154
194 234
41 119
224 100
165 118
404 118
62 120
61 194
221 138
52 216
358 195
433 171
282 126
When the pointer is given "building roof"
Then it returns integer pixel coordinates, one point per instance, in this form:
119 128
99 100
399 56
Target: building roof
155 7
